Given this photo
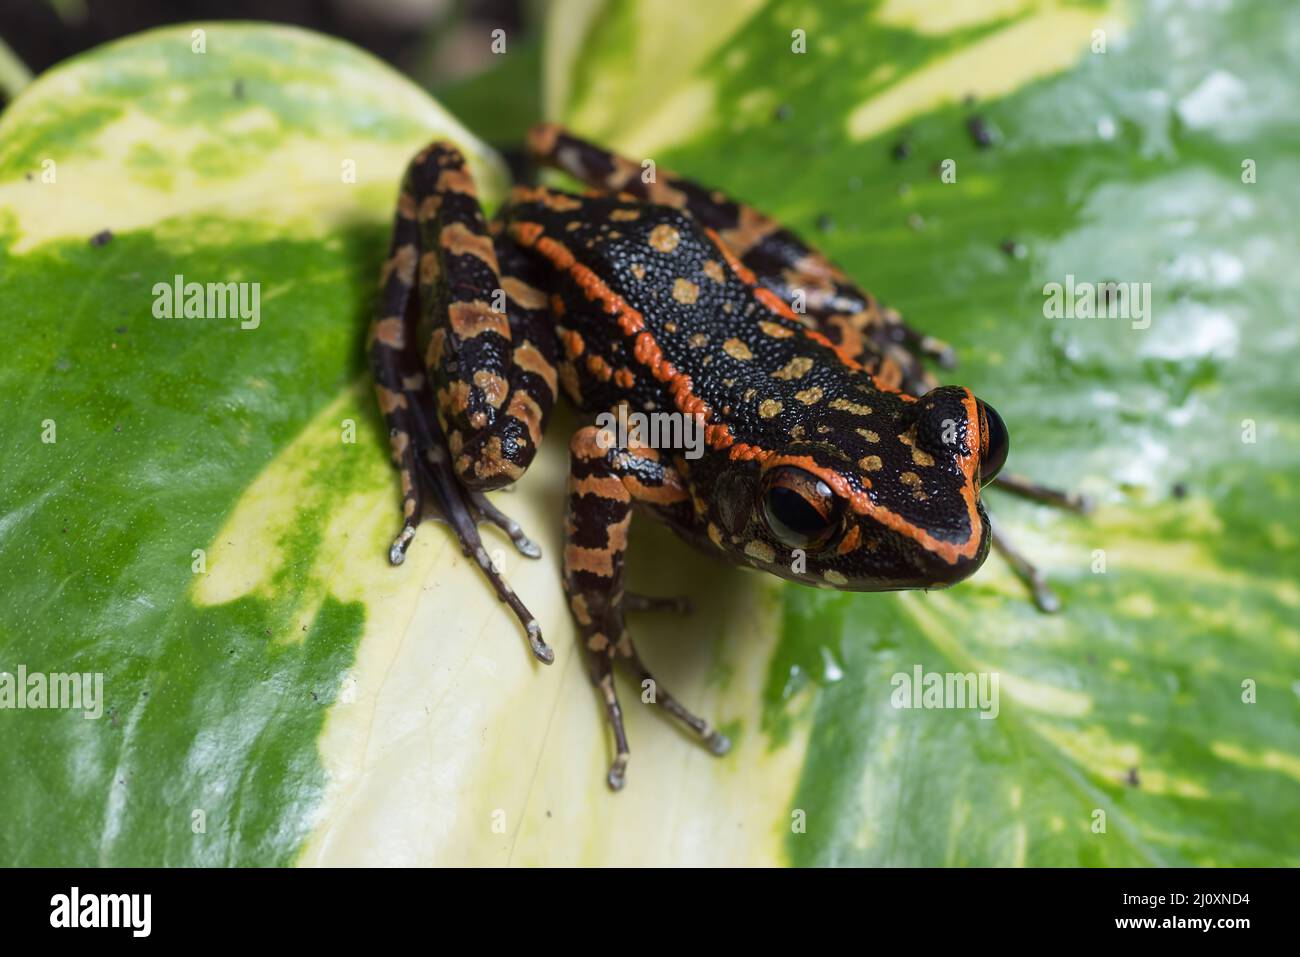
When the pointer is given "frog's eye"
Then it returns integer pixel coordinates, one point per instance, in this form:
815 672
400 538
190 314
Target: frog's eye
995 443
799 508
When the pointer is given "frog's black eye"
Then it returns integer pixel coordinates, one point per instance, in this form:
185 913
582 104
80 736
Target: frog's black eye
995 443
799 508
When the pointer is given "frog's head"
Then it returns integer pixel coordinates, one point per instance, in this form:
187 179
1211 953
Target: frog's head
882 492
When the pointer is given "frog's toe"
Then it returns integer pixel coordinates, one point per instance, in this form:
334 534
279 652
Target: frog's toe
718 743
397 553
541 650
490 513
617 773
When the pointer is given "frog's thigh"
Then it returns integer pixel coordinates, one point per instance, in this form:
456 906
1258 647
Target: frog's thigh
493 393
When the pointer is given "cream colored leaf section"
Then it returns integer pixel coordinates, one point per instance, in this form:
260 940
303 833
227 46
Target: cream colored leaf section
162 157
448 744
653 95
1037 45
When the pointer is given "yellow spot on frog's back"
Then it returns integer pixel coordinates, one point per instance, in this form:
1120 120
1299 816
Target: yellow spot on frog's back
834 577
713 269
796 368
625 215
664 238
868 435
856 408
809 396
870 463
769 408
761 551
737 349
775 329
685 291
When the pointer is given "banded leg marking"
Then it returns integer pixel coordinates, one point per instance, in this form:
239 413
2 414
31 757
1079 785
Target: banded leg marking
603 485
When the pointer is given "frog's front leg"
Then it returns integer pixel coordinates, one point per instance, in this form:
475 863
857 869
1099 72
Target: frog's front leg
604 483
469 414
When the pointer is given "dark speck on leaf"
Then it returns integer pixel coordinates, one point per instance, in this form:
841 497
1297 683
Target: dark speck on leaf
1131 779
902 150
117 427
239 89
825 223
102 238
784 112
30 177
1014 249
1179 490
968 99
984 133
120 330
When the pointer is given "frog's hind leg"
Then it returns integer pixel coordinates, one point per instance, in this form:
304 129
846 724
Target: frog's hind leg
470 416
604 483
819 292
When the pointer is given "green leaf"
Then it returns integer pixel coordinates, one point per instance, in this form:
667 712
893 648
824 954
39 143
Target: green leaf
227 165
1117 166
319 706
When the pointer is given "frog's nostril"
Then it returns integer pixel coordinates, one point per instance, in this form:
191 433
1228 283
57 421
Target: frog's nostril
995 442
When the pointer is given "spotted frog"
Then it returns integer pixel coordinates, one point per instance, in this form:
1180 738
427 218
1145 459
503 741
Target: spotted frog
830 455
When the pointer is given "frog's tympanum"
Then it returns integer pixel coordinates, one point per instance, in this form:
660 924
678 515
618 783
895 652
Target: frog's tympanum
829 455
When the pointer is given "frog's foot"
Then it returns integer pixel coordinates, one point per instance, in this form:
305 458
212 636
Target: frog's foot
602 676
1022 487
677 604
463 510
1044 598
490 513
652 692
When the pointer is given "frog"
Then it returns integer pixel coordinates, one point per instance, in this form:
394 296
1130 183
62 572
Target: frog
831 455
